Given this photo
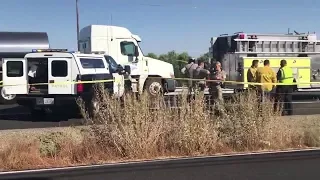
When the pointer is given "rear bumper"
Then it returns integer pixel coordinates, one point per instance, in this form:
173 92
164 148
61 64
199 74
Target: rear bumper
46 101
171 85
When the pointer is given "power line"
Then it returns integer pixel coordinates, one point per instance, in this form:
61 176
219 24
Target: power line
224 8
190 5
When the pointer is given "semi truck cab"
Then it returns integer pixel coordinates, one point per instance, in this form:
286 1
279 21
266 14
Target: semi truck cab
148 74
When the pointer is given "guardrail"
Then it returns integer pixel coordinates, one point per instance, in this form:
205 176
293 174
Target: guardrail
283 165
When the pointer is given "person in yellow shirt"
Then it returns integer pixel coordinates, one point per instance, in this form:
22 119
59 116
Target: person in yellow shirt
251 74
266 75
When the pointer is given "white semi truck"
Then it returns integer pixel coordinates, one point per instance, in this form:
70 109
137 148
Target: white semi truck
147 74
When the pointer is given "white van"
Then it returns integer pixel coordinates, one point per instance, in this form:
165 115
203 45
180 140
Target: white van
48 79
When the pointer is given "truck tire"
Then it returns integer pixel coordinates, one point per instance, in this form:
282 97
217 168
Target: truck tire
154 87
155 90
92 108
5 98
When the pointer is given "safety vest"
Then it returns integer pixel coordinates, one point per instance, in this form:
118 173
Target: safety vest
286 75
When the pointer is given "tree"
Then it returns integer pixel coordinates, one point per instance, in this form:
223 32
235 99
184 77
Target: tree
152 55
205 57
178 60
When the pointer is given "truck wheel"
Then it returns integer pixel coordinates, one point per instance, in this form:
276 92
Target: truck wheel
7 98
92 108
154 87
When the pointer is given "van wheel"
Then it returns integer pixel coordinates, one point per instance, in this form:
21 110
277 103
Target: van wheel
154 87
7 98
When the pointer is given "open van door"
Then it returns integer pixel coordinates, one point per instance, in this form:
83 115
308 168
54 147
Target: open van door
15 75
118 84
60 73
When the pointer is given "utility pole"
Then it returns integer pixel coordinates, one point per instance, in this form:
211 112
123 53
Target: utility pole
77 15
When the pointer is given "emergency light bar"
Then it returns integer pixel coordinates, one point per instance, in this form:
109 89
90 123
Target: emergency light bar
49 50
98 52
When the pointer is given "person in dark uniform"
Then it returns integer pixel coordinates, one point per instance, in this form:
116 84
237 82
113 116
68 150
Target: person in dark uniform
285 90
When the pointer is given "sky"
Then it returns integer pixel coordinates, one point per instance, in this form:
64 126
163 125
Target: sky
180 25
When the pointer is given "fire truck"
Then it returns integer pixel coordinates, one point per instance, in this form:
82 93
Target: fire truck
237 51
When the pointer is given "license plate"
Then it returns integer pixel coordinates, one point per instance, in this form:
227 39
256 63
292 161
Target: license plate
48 100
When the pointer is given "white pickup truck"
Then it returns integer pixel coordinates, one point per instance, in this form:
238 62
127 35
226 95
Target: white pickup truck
61 69
147 73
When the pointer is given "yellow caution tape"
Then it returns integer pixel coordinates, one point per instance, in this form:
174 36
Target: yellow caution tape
182 61
178 79
63 83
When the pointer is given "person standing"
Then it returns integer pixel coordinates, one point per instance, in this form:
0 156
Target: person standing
268 78
215 87
285 90
251 74
201 73
188 70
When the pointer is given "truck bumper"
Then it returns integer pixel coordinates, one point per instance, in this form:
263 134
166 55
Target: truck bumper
171 85
38 101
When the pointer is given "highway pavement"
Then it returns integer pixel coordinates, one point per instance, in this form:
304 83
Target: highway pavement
18 117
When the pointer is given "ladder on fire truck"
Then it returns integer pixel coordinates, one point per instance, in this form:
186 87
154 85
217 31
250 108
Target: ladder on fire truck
253 45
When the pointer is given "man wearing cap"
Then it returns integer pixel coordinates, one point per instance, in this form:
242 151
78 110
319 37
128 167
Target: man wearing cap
285 90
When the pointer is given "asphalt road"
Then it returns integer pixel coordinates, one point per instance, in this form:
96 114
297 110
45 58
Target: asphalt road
17 117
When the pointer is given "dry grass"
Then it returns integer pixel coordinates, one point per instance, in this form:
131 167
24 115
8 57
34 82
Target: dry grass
133 130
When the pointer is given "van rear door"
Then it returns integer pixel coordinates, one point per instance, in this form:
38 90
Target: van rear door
15 75
60 74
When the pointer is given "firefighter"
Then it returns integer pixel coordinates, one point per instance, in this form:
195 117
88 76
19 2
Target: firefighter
188 71
265 75
284 92
251 74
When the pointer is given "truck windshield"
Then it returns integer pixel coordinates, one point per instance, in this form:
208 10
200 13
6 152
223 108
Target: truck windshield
87 63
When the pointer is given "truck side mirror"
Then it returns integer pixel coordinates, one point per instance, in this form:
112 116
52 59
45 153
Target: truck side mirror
119 68
136 51
127 69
